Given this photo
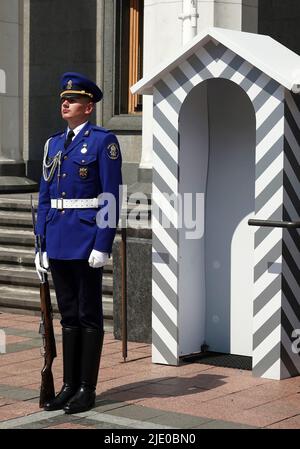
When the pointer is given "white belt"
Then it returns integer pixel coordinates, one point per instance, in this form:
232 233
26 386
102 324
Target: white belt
76 203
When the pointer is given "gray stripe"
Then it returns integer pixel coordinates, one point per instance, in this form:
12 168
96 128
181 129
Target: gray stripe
288 258
166 92
292 124
162 153
250 78
263 232
266 362
163 349
163 221
267 328
295 166
265 94
232 67
263 265
291 298
166 125
160 183
262 199
294 235
165 256
182 79
164 286
289 189
199 67
270 123
267 295
269 157
288 363
215 51
164 319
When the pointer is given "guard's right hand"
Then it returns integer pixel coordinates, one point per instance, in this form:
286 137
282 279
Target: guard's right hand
41 266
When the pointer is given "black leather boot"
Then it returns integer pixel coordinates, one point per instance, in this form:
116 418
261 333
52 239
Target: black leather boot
84 399
71 367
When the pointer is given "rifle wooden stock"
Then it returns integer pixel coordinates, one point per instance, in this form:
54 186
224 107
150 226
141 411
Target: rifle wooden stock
47 391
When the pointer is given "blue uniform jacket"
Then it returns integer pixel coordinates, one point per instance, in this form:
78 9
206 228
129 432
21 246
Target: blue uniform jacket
90 166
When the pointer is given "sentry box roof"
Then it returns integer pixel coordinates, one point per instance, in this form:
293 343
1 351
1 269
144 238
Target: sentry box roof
263 52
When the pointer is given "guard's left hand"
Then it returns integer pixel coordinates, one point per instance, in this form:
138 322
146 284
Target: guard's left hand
98 259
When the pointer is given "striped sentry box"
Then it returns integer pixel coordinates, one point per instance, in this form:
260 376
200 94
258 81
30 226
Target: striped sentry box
276 273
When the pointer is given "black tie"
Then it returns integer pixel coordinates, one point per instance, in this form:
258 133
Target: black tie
71 134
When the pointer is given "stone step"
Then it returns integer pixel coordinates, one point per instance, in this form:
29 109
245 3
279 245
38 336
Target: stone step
20 276
15 219
12 237
29 299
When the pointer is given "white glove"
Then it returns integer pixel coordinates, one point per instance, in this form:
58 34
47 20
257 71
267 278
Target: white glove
41 266
98 259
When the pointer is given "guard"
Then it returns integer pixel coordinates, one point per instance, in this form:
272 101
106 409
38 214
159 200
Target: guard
78 213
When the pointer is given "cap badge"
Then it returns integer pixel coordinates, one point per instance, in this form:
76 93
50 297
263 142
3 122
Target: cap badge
83 172
69 84
113 151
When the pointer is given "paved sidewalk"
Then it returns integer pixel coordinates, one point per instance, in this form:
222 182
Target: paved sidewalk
138 394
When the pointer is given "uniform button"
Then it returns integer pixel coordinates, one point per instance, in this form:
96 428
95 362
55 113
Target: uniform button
63 211
65 157
83 161
63 194
64 175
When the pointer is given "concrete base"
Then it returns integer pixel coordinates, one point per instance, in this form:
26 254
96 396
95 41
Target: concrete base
139 292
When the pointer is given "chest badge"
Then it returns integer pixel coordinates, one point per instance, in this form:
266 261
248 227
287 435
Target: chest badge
83 172
84 148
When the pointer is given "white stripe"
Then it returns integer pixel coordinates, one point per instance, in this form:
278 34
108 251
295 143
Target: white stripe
271 206
164 335
242 72
267 244
265 280
167 274
164 238
161 202
266 345
167 110
224 62
157 357
267 311
165 141
274 372
270 139
269 174
164 302
267 108
256 88
164 172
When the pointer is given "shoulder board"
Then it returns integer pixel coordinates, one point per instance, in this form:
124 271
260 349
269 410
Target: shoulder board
56 134
99 128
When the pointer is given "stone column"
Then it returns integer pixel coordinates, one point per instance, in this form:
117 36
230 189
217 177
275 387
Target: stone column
12 167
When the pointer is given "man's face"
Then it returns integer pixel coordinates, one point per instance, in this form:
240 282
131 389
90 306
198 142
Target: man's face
76 110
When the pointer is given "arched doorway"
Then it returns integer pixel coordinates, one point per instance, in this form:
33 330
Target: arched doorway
217 159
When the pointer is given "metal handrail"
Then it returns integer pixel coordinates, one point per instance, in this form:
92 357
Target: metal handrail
274 223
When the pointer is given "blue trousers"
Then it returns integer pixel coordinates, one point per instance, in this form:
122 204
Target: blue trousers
78 289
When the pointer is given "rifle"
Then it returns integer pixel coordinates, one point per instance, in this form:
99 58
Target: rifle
47 390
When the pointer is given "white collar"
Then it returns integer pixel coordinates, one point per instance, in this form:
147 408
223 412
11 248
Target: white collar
77 129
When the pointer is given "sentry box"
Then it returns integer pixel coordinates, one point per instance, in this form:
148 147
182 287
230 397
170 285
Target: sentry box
226 140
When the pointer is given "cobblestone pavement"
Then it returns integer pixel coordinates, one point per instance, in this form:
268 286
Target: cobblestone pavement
138 394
